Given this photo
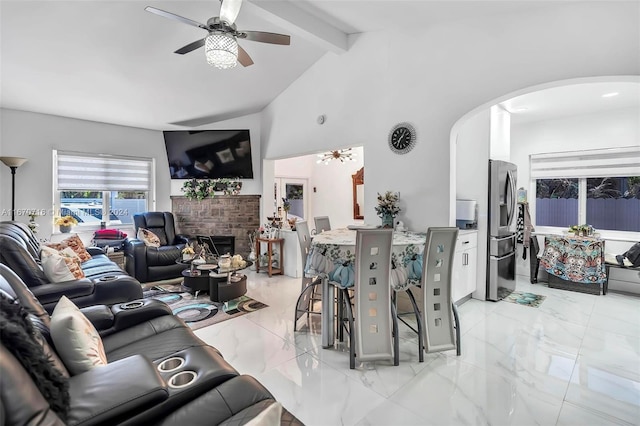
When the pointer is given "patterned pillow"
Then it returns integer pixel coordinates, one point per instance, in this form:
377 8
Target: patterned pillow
148 238
75 338
76 245
60 266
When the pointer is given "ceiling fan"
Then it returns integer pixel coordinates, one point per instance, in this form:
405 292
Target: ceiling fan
221 45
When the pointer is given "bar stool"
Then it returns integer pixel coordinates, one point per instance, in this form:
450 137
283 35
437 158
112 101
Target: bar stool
373 329
308 291
439 314
322 224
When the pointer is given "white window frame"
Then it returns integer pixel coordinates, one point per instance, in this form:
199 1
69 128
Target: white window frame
623 162
106 195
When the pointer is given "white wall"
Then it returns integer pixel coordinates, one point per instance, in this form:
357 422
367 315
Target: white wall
605 129
34 136
472 181
432 77
500 142
333 195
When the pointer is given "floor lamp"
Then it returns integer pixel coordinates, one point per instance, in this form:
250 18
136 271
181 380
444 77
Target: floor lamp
13 163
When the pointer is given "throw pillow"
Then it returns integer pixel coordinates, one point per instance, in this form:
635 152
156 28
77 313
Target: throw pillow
76 245
60 266
75 338
270 416
19 336
148 238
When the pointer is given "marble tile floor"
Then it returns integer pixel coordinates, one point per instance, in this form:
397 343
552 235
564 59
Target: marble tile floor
575 360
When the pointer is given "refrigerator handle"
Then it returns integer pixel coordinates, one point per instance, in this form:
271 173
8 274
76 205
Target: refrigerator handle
511 197
497 259
508 237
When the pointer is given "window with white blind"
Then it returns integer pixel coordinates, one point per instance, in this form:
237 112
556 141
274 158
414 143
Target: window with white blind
97 188
596 187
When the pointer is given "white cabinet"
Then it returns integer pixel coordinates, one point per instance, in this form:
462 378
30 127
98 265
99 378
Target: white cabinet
292 259
465 264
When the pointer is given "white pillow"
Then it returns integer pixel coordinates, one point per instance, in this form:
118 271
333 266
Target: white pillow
270 416
75 338
60 266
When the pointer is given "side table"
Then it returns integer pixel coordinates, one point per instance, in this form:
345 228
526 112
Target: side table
118 258
269 267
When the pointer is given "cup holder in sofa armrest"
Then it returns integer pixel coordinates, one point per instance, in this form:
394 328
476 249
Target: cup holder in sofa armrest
171 364
132 305
182 379
108 278
137 311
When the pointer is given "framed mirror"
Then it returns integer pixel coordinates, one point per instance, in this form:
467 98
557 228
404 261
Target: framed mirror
358 194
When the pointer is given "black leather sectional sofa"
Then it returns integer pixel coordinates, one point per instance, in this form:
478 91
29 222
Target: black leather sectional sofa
104 282
158 372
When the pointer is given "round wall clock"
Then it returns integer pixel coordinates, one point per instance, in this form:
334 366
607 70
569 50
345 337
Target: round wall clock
402 138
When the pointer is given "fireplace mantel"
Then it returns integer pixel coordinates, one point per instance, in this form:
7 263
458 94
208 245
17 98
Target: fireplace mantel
224 215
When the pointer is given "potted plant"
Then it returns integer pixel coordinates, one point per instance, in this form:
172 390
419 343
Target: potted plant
65 223
388 208
198 189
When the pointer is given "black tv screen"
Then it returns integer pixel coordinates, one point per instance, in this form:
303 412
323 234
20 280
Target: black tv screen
209 154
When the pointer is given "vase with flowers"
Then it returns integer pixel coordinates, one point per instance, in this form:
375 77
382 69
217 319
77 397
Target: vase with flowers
65 223
32 222
388 208
286 206
188 252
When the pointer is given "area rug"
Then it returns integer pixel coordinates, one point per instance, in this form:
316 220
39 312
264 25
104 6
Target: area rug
525 299
199 311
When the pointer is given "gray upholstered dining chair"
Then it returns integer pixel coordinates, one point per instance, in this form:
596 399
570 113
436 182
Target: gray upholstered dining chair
322 224
440 318
308 292
373 329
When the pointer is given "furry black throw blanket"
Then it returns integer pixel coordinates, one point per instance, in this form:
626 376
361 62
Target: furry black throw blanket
19 337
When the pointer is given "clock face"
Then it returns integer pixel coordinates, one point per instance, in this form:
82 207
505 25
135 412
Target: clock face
402 138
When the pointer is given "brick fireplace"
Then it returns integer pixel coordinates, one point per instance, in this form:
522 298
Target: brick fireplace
223 215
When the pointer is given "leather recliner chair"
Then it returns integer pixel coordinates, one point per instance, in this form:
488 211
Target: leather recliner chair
155 263
131 388
104 282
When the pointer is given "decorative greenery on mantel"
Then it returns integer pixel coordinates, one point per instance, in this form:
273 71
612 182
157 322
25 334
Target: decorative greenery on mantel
200 189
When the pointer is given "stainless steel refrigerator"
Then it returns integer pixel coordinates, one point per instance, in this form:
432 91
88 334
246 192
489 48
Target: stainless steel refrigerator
501 233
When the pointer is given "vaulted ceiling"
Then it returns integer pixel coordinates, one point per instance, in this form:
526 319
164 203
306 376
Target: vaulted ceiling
110 61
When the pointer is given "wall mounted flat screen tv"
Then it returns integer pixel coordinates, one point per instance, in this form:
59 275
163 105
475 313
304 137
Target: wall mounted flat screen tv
209 154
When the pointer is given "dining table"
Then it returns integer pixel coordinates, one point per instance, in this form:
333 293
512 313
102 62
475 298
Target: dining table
332 257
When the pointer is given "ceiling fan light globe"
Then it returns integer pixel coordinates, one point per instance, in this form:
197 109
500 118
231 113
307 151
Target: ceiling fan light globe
221 50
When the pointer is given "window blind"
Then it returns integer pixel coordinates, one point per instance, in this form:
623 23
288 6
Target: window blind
102 172
613 162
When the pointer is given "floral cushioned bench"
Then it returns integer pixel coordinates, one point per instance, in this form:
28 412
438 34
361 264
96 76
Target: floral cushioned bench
575 263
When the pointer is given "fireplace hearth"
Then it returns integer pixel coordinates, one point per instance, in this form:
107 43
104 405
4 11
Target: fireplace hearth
222 216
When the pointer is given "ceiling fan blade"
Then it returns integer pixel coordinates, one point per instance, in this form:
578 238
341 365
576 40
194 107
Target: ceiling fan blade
244 58
175 17
229 10
190 47
263 37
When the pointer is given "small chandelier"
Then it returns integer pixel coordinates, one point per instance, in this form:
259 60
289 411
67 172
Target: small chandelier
221 50
340 154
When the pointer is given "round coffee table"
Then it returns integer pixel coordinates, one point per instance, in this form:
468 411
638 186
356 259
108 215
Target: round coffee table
196 283
226 284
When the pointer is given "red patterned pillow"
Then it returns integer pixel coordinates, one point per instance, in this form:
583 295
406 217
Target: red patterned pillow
75 243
